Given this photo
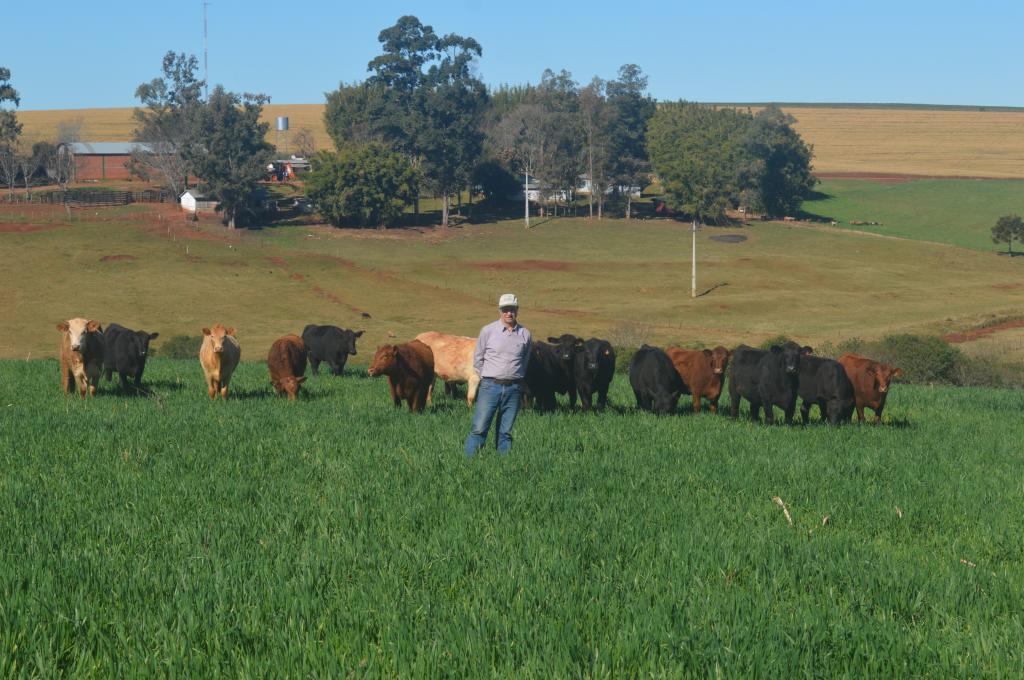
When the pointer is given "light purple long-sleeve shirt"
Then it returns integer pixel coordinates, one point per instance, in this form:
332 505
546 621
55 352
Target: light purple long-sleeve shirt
501 353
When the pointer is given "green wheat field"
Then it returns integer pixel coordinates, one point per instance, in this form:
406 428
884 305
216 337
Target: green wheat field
164 535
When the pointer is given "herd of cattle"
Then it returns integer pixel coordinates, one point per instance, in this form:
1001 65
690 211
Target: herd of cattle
566 365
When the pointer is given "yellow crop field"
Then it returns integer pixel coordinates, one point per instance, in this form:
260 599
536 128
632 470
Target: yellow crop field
924 141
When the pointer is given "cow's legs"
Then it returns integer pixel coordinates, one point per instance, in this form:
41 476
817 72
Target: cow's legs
124 381
430 394
734 403
314 365
396 399
696 401
860 412
805 412
769 413
471 388
212 387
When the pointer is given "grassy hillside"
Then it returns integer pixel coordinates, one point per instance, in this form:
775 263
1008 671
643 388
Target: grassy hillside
336 536
958 212
628 281
922 140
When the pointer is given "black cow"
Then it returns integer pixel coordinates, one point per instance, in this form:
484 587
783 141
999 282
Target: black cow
766 378
655 381
566 347
593 371
125 351
824 382
546 374
329 344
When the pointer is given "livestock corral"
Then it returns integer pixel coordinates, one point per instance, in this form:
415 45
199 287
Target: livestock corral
152 530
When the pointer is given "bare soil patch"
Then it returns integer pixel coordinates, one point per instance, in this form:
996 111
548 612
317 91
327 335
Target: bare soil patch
978 333
525 265
729 238
27 228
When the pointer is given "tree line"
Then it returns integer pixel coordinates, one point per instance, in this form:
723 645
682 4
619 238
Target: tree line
423 124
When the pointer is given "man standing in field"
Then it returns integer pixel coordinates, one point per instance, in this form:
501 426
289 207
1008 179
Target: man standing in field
501 356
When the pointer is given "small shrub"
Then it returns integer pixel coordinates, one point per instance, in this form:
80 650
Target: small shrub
924 359
179 347
779 340
628 334
624 355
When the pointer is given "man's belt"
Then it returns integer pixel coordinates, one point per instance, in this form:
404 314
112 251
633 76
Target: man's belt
504 381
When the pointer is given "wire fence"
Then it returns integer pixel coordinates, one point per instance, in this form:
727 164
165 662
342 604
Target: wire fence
92 197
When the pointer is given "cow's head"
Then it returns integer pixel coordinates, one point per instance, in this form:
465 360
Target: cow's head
883 375
217 335
77 330
791 353
719 359
565 348
350 341
384 361
290 385
143 339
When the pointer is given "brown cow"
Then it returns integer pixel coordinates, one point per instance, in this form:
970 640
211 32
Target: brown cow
81 355
453 362
287 364
702 371
410 371
871 381
219 355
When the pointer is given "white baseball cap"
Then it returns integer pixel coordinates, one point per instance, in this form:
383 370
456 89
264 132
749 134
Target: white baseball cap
508 300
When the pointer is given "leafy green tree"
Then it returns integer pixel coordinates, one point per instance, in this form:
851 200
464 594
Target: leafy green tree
777 169
352 114
520 139
10 128
629 110
1007 229
559 96
366 184
696 150
432 106
167 122
229 151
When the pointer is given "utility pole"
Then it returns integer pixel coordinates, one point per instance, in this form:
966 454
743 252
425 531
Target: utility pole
693 263
526 195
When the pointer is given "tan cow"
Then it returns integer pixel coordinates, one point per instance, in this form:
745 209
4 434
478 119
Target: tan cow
81 355
453 362
219 355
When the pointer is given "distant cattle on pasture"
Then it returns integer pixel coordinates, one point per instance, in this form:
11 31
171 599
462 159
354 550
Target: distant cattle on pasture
409 368
219 355
871 380
453 362
702 372
656 383
286 362
81 355
126 352
329 344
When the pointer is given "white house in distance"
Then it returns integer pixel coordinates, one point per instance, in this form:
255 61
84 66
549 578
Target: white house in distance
193 201
584 188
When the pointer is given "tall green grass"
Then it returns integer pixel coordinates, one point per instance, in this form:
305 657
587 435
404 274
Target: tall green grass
336 535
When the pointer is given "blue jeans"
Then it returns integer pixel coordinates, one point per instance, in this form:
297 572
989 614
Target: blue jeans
493 398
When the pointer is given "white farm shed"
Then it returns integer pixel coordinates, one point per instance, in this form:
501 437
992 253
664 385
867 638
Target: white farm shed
193 201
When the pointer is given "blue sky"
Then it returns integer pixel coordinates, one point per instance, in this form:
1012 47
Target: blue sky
79 54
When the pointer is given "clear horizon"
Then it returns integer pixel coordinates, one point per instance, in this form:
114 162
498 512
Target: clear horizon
913 53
